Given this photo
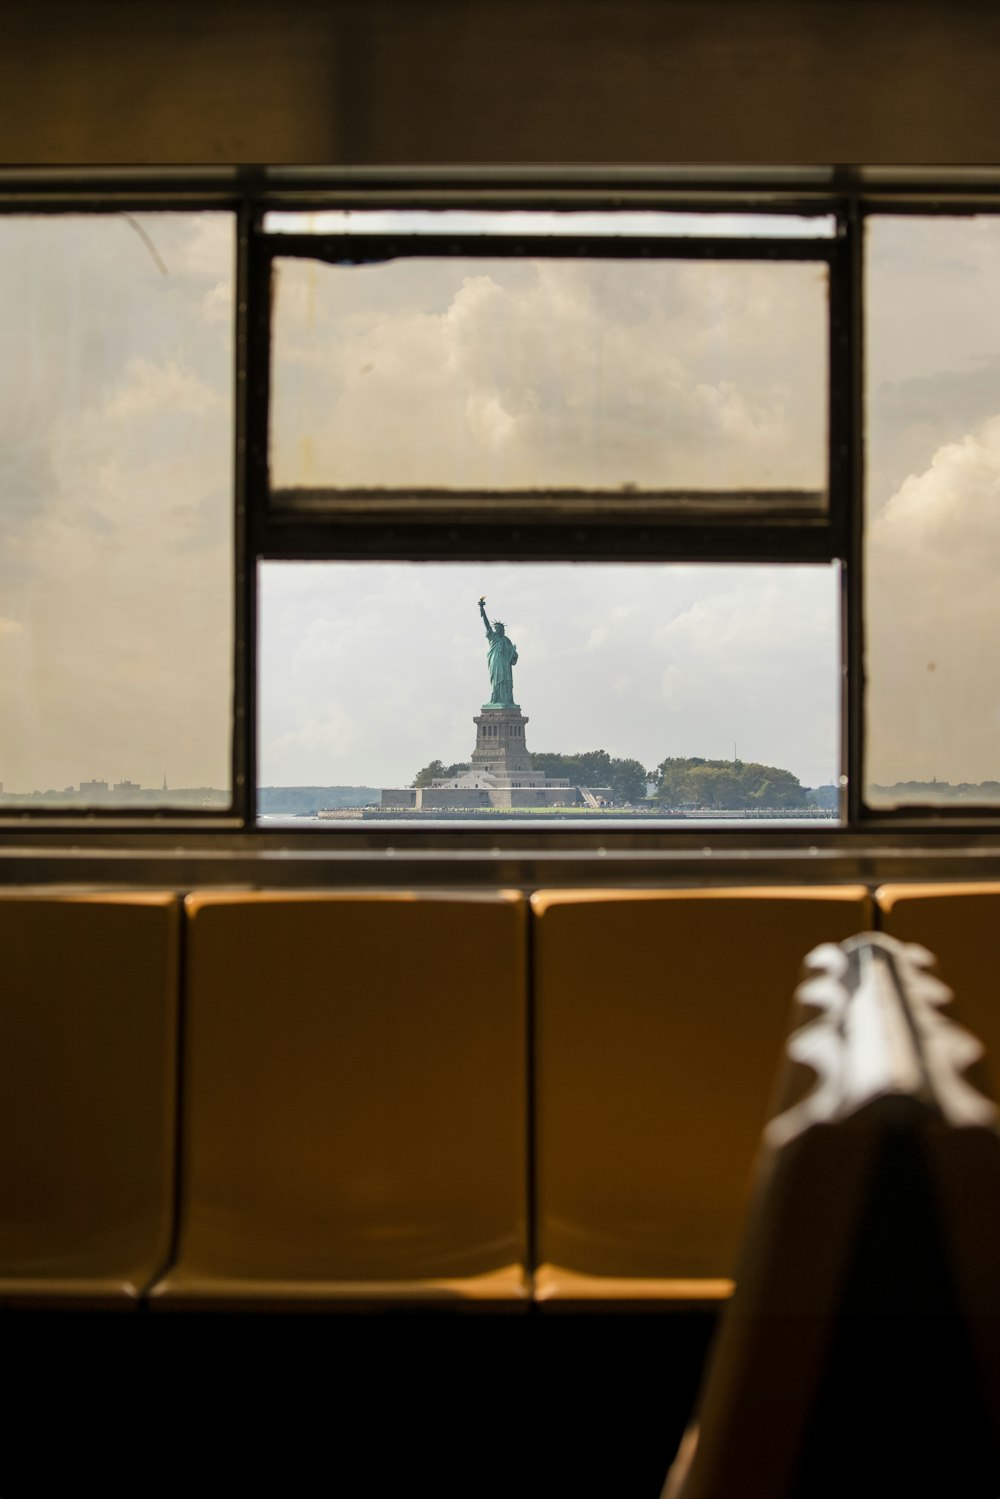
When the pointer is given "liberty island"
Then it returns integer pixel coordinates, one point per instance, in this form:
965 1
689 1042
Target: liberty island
500 774
501 777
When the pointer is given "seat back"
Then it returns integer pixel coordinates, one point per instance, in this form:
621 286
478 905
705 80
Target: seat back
88 1025
659 1017
861 1351
958 923
354 1117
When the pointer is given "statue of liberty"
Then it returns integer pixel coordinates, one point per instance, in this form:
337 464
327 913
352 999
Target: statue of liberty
502 658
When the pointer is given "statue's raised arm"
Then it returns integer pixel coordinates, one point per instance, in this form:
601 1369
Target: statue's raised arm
486 618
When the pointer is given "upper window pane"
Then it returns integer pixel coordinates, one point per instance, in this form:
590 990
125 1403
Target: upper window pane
116 510
933 517
467 373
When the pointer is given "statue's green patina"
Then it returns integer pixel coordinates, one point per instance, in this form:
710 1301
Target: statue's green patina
502 658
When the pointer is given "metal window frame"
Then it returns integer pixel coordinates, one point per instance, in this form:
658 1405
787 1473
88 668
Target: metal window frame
324 520
58 193
561 527
209 845
910 193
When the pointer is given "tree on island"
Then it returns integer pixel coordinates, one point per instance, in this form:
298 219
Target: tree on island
827 797
725 785
626 778
730 785
435 771
629 780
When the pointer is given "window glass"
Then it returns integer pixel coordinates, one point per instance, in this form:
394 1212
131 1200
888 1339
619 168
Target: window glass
116 428
933 510
469 374
626 694
642 222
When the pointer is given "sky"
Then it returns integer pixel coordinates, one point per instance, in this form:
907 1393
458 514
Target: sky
115 499
497 373
370 671
115 505
933 606
483 373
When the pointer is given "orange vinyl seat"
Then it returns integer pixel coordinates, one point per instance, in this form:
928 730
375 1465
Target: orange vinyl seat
660 1017
88 1021
354 1100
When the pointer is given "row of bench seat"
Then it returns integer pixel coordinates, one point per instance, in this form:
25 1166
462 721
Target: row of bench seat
337 1099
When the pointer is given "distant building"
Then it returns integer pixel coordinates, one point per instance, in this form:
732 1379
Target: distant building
93 788
127 786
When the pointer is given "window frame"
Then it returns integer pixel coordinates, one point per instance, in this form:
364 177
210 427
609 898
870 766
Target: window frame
548 517
558 528
259 536
33 192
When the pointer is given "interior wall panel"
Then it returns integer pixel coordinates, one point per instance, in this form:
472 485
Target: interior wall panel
498 81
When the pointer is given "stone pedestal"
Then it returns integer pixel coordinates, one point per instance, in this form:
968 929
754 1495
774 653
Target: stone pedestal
500 744
501 773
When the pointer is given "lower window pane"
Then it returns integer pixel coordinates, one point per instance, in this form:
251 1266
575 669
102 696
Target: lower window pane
427 693
116 510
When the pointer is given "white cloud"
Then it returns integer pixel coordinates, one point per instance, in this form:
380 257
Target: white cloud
217 303
934 619
116 494
596 374
148 388
933 496
950 513
324 737
200 245
932 337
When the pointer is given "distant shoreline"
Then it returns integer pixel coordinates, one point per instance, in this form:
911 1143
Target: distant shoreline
577 815
288 800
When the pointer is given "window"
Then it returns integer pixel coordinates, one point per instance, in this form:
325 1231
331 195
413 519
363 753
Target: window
468 376
653 373
507 386
265 451
375 675
116 564
933 519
